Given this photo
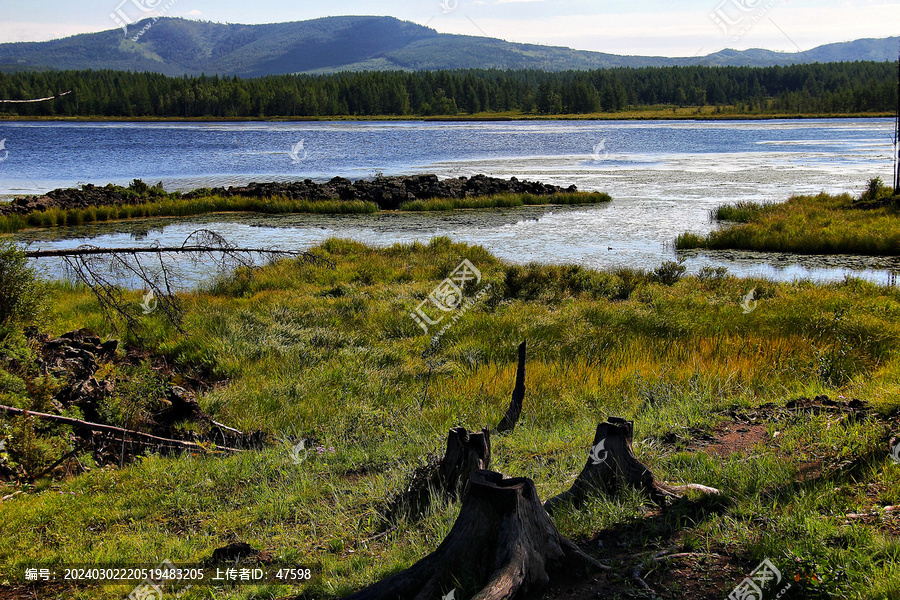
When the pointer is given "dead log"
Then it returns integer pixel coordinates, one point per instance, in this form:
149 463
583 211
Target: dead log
36 99
502 545
145 438
466 452
93 250
611 466
508 423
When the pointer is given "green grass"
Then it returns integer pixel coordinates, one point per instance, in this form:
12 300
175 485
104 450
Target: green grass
505 201
821 224
179 207
333 354
184 207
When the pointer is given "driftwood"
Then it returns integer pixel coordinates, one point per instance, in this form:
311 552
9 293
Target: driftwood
94 250
466 452
502 545
508 423
137 436
35 99
610 467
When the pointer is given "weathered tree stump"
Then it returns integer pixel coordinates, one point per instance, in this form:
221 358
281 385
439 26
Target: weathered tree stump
503 544
466 452
508 423
611 465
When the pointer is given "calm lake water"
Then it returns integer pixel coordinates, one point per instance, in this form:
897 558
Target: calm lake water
664 177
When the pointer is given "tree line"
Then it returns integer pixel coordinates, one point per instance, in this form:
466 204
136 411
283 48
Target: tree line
828 88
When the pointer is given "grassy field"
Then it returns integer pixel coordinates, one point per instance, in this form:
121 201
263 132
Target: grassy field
822 224
332 354
173 206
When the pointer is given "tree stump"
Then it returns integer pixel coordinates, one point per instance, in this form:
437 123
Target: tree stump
466 452
508 423
611 465
502 545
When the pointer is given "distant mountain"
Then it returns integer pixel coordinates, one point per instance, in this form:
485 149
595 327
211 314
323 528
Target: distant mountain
178 46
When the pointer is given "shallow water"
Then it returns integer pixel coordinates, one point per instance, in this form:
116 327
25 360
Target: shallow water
664 177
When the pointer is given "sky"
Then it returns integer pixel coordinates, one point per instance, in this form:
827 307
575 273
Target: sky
634 27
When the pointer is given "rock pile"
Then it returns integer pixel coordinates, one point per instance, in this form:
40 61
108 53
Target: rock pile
387 192
87 196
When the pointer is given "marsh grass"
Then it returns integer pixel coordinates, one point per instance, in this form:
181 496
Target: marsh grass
505 201
180 207
175 206
333 355
821 224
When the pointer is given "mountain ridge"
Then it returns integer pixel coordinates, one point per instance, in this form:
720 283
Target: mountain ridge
175 46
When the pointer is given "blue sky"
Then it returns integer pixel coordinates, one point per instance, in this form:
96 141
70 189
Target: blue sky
641 27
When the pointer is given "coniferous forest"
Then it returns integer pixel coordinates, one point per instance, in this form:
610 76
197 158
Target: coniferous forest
830 88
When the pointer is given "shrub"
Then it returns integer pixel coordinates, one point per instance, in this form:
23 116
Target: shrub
21 294
715 274
875 190
669 273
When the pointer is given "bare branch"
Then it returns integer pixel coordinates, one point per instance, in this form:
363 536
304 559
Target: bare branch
35 99
101 270
109 429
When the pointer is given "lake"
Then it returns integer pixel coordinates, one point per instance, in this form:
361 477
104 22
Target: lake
664 177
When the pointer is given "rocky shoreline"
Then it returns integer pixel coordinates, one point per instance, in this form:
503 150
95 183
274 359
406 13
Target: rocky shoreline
387 192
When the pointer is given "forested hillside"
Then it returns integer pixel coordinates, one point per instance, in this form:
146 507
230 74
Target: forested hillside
176 47
830 88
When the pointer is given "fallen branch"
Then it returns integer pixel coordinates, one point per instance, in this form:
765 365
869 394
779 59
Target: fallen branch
886 510
109 429
64 457
508 423
93 250
35 99
103 270
696 487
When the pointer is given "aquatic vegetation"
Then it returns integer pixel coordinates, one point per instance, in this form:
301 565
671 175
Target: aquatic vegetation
820 224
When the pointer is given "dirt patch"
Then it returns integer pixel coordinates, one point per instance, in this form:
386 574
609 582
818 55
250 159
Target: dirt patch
732 438
641 574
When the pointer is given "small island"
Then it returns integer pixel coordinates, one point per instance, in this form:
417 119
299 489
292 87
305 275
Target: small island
425 192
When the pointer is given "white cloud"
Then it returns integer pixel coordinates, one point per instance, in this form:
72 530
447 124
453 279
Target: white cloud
687 33
24 31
